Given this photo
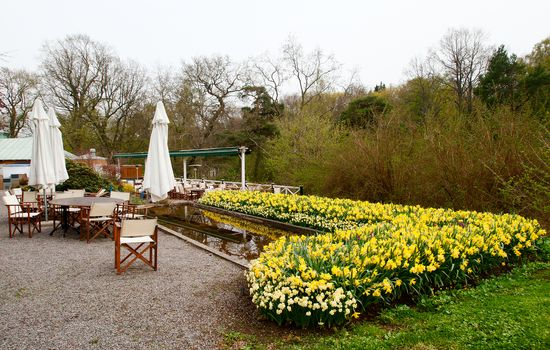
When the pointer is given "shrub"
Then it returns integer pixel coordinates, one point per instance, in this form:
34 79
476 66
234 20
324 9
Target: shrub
82 176
364 112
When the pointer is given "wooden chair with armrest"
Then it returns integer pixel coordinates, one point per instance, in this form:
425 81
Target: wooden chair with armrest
140 238
73 213
20 214
99 217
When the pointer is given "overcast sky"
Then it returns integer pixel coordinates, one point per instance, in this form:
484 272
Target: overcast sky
378 38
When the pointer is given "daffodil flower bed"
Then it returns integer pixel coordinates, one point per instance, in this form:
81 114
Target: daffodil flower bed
387 251
326 214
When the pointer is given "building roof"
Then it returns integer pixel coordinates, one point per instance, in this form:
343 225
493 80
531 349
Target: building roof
205 152
20 149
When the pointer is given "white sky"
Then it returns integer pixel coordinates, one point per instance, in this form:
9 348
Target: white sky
378 38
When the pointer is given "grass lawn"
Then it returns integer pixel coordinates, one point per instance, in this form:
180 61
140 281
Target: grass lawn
511 311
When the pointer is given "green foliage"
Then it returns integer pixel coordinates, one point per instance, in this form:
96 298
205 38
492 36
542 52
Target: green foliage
300 155
540 55
528 193
446 161
365 111
259 125
537 81
507 312
82 176
502 83
537 84
422 98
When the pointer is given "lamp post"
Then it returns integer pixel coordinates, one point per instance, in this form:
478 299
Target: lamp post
195 167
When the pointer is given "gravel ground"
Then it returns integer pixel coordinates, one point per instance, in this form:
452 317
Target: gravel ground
61 293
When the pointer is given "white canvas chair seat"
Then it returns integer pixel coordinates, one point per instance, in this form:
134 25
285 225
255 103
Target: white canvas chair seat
70 209
138 237
130 216
103 218
24 215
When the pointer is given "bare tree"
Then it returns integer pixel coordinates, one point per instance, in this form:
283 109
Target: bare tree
214 82
270 73
462 57
123 97
18 90
165 85
94 90
75 73
177 95
315 73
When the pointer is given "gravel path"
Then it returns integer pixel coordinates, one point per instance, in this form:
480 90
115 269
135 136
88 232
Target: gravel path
61 293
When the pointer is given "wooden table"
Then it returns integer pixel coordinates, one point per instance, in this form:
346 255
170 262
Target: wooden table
81 202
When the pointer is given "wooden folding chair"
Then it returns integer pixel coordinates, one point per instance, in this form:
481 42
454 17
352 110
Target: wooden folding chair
18 192
98 217
21 214
73 214
130 211
143 234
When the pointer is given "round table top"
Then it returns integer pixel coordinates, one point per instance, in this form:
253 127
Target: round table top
84 201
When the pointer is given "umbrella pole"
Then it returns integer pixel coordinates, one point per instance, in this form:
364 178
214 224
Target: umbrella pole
45 204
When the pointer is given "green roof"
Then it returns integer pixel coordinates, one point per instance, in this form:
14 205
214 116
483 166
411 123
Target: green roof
20 149
204 152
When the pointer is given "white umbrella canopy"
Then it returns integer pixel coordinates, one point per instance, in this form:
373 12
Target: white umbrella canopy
42 173
58 153
159 179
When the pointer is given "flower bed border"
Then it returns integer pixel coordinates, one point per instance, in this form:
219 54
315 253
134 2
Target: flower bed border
264 221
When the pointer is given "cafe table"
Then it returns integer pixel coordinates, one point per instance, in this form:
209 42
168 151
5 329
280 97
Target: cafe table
78 202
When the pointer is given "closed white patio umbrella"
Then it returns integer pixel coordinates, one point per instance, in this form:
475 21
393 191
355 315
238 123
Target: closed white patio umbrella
42 173
159 179
58 153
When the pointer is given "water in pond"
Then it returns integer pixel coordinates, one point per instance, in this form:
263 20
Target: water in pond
230 235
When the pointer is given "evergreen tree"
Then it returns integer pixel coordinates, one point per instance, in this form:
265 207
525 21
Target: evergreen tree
502 83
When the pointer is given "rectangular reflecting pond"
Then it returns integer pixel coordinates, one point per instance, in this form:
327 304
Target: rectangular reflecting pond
231 235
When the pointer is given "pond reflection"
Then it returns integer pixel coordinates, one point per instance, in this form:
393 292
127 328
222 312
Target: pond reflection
230 235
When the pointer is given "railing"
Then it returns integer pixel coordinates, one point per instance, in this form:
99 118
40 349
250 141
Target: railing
249 186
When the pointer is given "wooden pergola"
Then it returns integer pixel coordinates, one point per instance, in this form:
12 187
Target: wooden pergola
240 151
